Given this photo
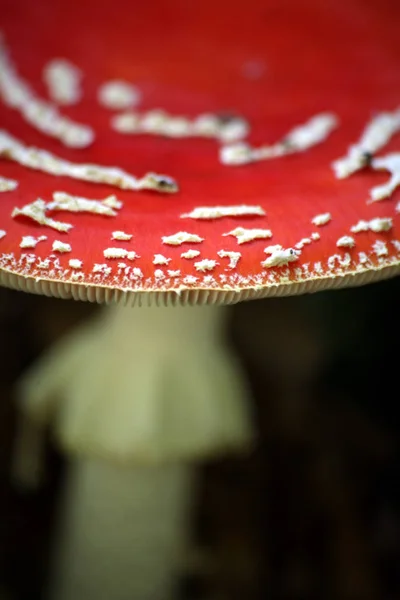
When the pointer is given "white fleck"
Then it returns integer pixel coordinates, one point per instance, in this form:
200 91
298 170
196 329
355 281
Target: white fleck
66 202
281 257
315 236
56 261
237 154
303 242
7 185
375 136
44 116
63 80
391 163
318 267
313 132
190 254
396 244
158 122
190 279
272 249
132 255
42 160
176 273
125 123
321 219
205 265
136 272
360 226
345 241
181 237
77 276
115 253
175 127
36 211
217 212
151 121
234 257
30 258
377 225
118 95
29 241
208 279
113 202
380 248
362 257
225 129
235 129
244 235
43 265
159 274
2 233
160 259
121 236
158 183
75 263
104 269
344 261
59 246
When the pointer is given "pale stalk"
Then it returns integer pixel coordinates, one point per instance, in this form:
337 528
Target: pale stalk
137 394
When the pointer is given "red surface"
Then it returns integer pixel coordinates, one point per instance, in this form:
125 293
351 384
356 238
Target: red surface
191 57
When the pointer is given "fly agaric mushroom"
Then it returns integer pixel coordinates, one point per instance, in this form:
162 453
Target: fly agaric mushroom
279 226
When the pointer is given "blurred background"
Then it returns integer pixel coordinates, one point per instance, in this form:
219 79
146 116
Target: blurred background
313 512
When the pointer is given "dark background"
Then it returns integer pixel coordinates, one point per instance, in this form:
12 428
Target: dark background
314 511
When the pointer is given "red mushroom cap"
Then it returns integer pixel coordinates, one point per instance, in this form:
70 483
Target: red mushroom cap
275 64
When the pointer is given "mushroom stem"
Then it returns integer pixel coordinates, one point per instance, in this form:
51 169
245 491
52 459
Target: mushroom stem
137 396
123 531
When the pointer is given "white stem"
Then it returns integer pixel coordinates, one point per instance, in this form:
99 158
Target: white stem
144 392
124 531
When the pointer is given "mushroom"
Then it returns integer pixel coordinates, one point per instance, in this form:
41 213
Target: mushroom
148 389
